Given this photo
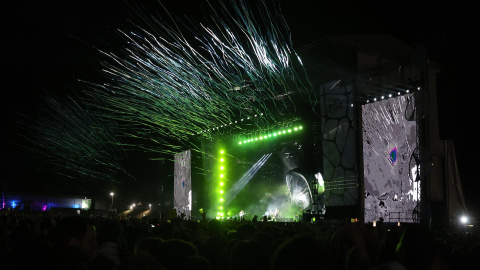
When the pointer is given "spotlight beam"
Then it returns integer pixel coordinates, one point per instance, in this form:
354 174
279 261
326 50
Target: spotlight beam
245 179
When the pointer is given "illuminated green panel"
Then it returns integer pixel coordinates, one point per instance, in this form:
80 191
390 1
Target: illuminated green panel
222 169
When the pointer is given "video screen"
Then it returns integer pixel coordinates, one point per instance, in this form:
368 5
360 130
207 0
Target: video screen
268 179
182 189
389 140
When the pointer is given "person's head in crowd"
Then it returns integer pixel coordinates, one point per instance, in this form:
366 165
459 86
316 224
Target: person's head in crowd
147 245
417 248
302 252
195 262
249 255
246 232
172 252
140 261
109 231
75 239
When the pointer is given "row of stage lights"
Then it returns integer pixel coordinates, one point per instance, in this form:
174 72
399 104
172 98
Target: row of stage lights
389 96
229 124
271 135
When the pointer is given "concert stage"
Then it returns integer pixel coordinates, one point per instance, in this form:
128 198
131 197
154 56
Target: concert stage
320 164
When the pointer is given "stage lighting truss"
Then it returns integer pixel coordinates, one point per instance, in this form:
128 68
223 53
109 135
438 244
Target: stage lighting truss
272 135
233 123
392 93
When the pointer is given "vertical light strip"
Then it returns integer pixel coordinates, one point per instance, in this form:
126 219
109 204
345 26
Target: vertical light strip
222 180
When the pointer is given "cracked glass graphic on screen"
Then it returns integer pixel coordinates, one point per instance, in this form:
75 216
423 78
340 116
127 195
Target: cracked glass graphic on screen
182 189
388 142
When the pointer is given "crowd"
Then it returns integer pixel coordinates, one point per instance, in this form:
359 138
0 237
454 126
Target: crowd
43 241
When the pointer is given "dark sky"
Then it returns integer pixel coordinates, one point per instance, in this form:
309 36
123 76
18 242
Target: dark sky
47 46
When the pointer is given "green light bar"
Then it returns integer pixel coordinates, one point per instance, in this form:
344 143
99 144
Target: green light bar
267 136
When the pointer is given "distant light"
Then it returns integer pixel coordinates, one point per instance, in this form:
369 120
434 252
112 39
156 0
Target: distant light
111 193
399 93
221 183
418 88
464 219
351 105
221 175
383 97
390 95
133 205
408 91
222 160
375 99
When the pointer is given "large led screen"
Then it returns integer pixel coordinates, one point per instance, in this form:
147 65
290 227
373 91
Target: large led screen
267 178
182 189
389 140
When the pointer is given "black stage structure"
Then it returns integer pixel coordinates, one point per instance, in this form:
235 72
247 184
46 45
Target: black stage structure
363 149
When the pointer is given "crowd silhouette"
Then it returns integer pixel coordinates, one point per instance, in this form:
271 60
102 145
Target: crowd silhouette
46 241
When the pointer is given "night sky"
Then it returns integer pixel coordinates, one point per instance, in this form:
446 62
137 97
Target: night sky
47 46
